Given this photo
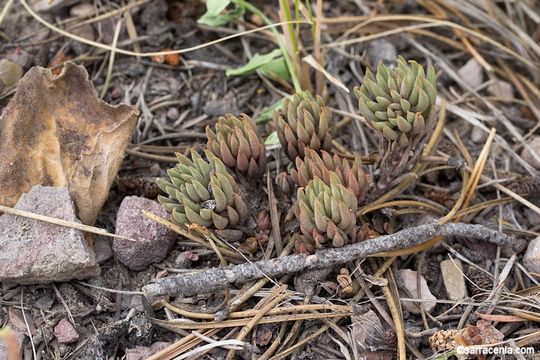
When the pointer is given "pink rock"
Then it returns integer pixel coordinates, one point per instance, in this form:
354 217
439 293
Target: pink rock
36 252
65 332
152 241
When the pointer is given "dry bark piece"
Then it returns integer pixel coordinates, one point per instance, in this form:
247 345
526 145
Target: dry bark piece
55 131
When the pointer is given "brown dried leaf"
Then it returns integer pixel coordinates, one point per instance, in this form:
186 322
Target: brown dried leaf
56 131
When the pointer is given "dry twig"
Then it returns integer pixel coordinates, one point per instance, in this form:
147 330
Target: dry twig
219 278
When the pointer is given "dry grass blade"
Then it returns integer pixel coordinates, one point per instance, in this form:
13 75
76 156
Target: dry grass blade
392 299
310 60
277 296
60 222
154 53
477 170
250 313
179 347
185 325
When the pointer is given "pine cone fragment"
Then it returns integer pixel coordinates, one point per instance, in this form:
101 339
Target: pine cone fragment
237 143
202 192
303 122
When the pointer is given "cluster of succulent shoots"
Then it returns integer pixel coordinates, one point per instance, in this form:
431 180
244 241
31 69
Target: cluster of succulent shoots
399 103
330 187
303 122
349 173
327 213
203 191
235 141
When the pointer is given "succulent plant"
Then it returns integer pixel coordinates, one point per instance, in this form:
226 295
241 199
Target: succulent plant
327 212
349 173
236 142
304 121
202 192
399 101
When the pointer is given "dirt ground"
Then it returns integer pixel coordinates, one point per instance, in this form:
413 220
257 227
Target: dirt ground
486 55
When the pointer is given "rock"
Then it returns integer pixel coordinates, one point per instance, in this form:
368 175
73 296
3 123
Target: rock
472 73
65 332
381 50
454 281
531 259
531 153
10 73
152 241
408 281
367 331
478 136
84 9
185 259
36 252
173 113
20 57
144 352
501 89
102 249
532 216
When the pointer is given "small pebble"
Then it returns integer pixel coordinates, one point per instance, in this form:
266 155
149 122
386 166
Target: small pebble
152 241
84 9
478 136
531 153
173 113
531 259
381 50
454 281
65 332
472 73
501 89
408 278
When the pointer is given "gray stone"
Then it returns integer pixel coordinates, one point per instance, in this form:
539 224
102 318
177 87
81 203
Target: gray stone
36 252
531 259
478 136
502 89
531 152
65 332
381 50
472 73
144 352
408 283
367 331
454 281
151 241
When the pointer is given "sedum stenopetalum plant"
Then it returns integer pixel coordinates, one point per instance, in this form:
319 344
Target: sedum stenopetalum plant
236 142
399 103
304 121
202 192
349 173
327 213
